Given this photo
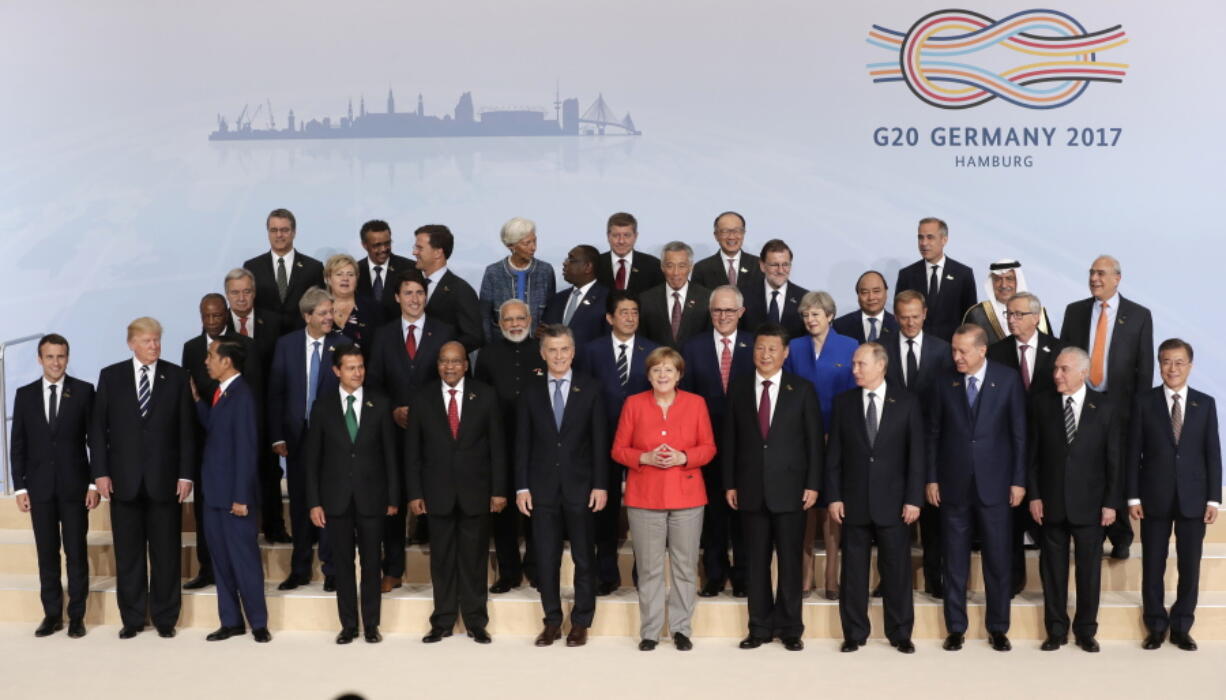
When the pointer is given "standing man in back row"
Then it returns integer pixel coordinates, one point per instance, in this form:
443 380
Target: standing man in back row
283 274
730 264
622 267
947 285
449 298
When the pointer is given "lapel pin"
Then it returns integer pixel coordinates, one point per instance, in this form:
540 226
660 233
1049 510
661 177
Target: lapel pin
297 263
741 345
1121 321
889 400
540 373
1091 405
471 397
634 270
331 348
787 386
792 300
992 384
1190 403
1046 349
259 321
161 376
369 405
949 277
956 384
690 304
574 389
838 364
587 302
446 288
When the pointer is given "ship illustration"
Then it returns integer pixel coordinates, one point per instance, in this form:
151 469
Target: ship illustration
598 120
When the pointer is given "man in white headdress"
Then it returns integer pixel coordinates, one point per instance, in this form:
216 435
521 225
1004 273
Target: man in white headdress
1005 278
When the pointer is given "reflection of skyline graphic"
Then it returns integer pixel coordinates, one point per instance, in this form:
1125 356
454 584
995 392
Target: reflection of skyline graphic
598 120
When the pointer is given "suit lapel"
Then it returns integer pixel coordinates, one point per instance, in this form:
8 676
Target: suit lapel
782 403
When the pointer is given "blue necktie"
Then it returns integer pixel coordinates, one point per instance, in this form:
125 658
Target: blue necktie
972 391
872 330
559 402
312 378
377 287
773 310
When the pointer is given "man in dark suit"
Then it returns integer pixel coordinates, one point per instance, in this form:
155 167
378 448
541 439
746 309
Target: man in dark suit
916 359
284 274
582 306
51 419
404 359
561 478
675 311
455 462
230 471
776 299
380 270
712 363
351 476
264 327
948 285
1033 354
731 265
1074 480
875 485
508 364
213 316
142 456
1174 481
871 322
1119 335
976 473
772 456
449 298
616 362
622 267
298 376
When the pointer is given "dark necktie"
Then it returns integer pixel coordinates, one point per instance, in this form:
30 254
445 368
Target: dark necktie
282 279
773 310
676 317
410 341
53 407
872 330
620 282
870 419
912 364
1176 417
453 415
1025 366
559 402
377 286
623 366
142 391
764 409
934 285
1070 421
242 326
972 391
313 377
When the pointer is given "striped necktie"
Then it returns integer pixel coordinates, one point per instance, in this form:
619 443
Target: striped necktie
1070 421
623 365
142 391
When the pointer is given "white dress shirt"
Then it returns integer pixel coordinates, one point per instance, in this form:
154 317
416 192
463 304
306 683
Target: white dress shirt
289 264
357 403
310 348
734 260
1113 308
1079 401
629 265
918 346
459 397
226 384
940 274
629 343
582 293
878 393
432 281
773 390
668 297
419 324
719 342
978 375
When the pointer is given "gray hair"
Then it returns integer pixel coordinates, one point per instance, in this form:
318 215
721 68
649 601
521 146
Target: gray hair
239 273
732 289
942 228
1115 264
1083 358
313 298
516 230
1036 306
556 330
878 350
821 300
977 333
678 247
502 308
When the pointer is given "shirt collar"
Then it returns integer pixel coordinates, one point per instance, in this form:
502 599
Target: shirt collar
1031 344
1078 397
616 343
629 260
919 339
940 263
420 323
1182 391
309 340
226 384
289 259
719 337
880 315
357 395
437 275
585 288
60 384
783 290
137 364
774 378
570 374
683 292
878 391
1113 304
459 388
983 370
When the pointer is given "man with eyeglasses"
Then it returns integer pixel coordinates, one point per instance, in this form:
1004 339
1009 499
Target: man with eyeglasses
777 299
283 274
380 271
731 264
1005 278
621 267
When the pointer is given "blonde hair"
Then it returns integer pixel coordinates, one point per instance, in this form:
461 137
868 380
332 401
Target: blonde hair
338 261
664 354
144 324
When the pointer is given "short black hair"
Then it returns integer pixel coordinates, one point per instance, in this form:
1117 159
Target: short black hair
411 276
622 218
373 225
440 237
1175 344
866 273
346 350
775 245
715 224
233 351
587 254
51 339
214 296
772 329
616 297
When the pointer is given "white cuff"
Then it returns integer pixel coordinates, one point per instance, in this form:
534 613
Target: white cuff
521 491
186 480
21 492
1215 504
93 488
1134 501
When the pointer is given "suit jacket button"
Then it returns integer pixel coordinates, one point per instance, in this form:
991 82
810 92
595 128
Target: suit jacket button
559 444
870 459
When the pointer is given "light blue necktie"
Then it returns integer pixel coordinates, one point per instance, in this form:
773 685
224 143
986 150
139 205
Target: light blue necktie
312 378
972 391
559 402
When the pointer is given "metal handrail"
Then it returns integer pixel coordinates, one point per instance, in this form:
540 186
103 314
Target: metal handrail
4 412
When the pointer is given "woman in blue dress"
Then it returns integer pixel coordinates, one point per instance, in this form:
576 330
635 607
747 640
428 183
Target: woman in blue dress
824 358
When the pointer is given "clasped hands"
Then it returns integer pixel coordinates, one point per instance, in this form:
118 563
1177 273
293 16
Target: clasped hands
664 457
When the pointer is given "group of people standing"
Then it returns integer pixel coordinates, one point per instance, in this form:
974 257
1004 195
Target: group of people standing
731 412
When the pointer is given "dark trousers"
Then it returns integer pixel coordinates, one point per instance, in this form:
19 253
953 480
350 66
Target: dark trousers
506 527
147 529
199 507
459 562
607 524
305 532
273 519
56 523
777 615
1022 524
238 569
1053 570
721 529
894 567
1155 547
349 532
994 525
930 540
549 523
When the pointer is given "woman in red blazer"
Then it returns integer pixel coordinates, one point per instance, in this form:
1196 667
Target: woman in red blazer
664 437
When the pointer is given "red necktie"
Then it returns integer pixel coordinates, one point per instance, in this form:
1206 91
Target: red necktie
242 326
453 415
216 396
1025 366
621 274
725 363
410 342
764 409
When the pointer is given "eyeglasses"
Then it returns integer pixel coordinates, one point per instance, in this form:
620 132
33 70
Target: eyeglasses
779 266
730 231
723 312
1018 314
285 229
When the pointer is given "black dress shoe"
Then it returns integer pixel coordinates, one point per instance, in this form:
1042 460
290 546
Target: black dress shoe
224 633
1183 641
849 646
1053 643
1153 640
905 646
682 642
278 537
793 643
129 632
347 635
291 582
711 590
739 591
605 588
876 592
503 585
752 642
1120 551
1000 641
372 635
166 632
76 628
953 642
935 591
49 626
1017 588
1088 644
647 644
480 636
261 635
330 584
197 583
437 634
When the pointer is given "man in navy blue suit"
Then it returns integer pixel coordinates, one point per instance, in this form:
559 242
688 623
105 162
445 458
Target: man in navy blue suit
299 374
712 361
230 473
616 362
1174 481
976 474
871 322
948 285
581 307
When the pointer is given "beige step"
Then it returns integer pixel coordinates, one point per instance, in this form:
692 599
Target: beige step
407 610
